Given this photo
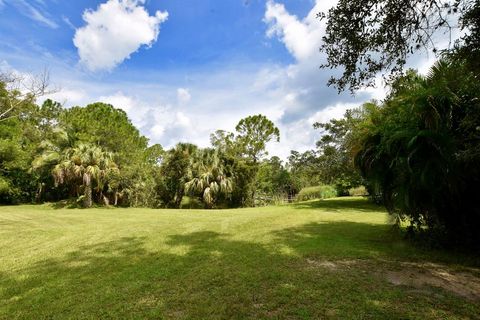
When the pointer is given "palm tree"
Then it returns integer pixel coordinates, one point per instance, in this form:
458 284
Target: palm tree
49 154
85 164
421 150
174 171
208 177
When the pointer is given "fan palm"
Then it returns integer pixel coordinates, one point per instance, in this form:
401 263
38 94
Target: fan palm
209 179
50 153
85 164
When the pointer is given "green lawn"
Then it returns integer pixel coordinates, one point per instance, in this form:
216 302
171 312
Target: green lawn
330 259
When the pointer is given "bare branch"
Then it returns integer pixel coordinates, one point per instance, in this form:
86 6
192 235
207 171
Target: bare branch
21 88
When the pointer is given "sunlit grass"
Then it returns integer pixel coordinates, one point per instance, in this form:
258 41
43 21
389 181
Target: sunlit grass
311 260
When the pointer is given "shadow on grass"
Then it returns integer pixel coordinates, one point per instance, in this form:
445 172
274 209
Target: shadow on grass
211 275
346 203
65 204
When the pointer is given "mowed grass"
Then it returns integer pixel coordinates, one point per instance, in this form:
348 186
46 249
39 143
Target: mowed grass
326 259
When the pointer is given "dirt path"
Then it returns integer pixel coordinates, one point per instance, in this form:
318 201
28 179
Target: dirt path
465 283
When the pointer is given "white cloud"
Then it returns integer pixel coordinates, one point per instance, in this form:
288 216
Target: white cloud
162 123
68 96
114 31
183 96
302 38
302 84
335 111
119 100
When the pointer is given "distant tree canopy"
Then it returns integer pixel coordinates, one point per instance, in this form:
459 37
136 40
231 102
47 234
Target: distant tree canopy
103 125
253 134
242 153
365 37
335 155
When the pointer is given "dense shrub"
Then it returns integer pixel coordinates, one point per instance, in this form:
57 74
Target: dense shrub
317 192
420 151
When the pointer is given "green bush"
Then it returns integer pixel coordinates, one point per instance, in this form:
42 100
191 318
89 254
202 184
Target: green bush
317 192
358 191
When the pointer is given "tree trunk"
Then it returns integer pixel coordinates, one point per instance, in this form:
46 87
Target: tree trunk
105 200
87 181
39 194
178 199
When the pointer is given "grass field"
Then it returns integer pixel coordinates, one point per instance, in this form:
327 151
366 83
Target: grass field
330 259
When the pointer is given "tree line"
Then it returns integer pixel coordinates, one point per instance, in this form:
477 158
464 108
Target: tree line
94 155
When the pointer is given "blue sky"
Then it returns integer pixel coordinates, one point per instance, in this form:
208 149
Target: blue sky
182 69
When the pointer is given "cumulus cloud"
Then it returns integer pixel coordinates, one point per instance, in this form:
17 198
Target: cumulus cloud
120 101
161 122
114 31
68 96
303 84
301 37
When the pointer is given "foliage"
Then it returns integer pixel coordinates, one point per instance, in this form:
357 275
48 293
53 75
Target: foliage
244 174
87 166
242 153
38 144
253 134
19 135
94 154
208 178
274 180
103 125
192 203
174 174
304 169
317 192
365 37
421 151
334 149
18 93
332 162
358 191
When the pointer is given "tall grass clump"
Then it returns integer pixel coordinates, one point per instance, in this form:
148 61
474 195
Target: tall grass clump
317 192
359 191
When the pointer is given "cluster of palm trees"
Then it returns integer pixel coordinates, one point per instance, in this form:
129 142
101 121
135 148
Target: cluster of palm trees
84 167
208 177
89 170
89 164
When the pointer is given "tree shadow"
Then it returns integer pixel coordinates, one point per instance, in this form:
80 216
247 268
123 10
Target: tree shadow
212 275
336 205
65 204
